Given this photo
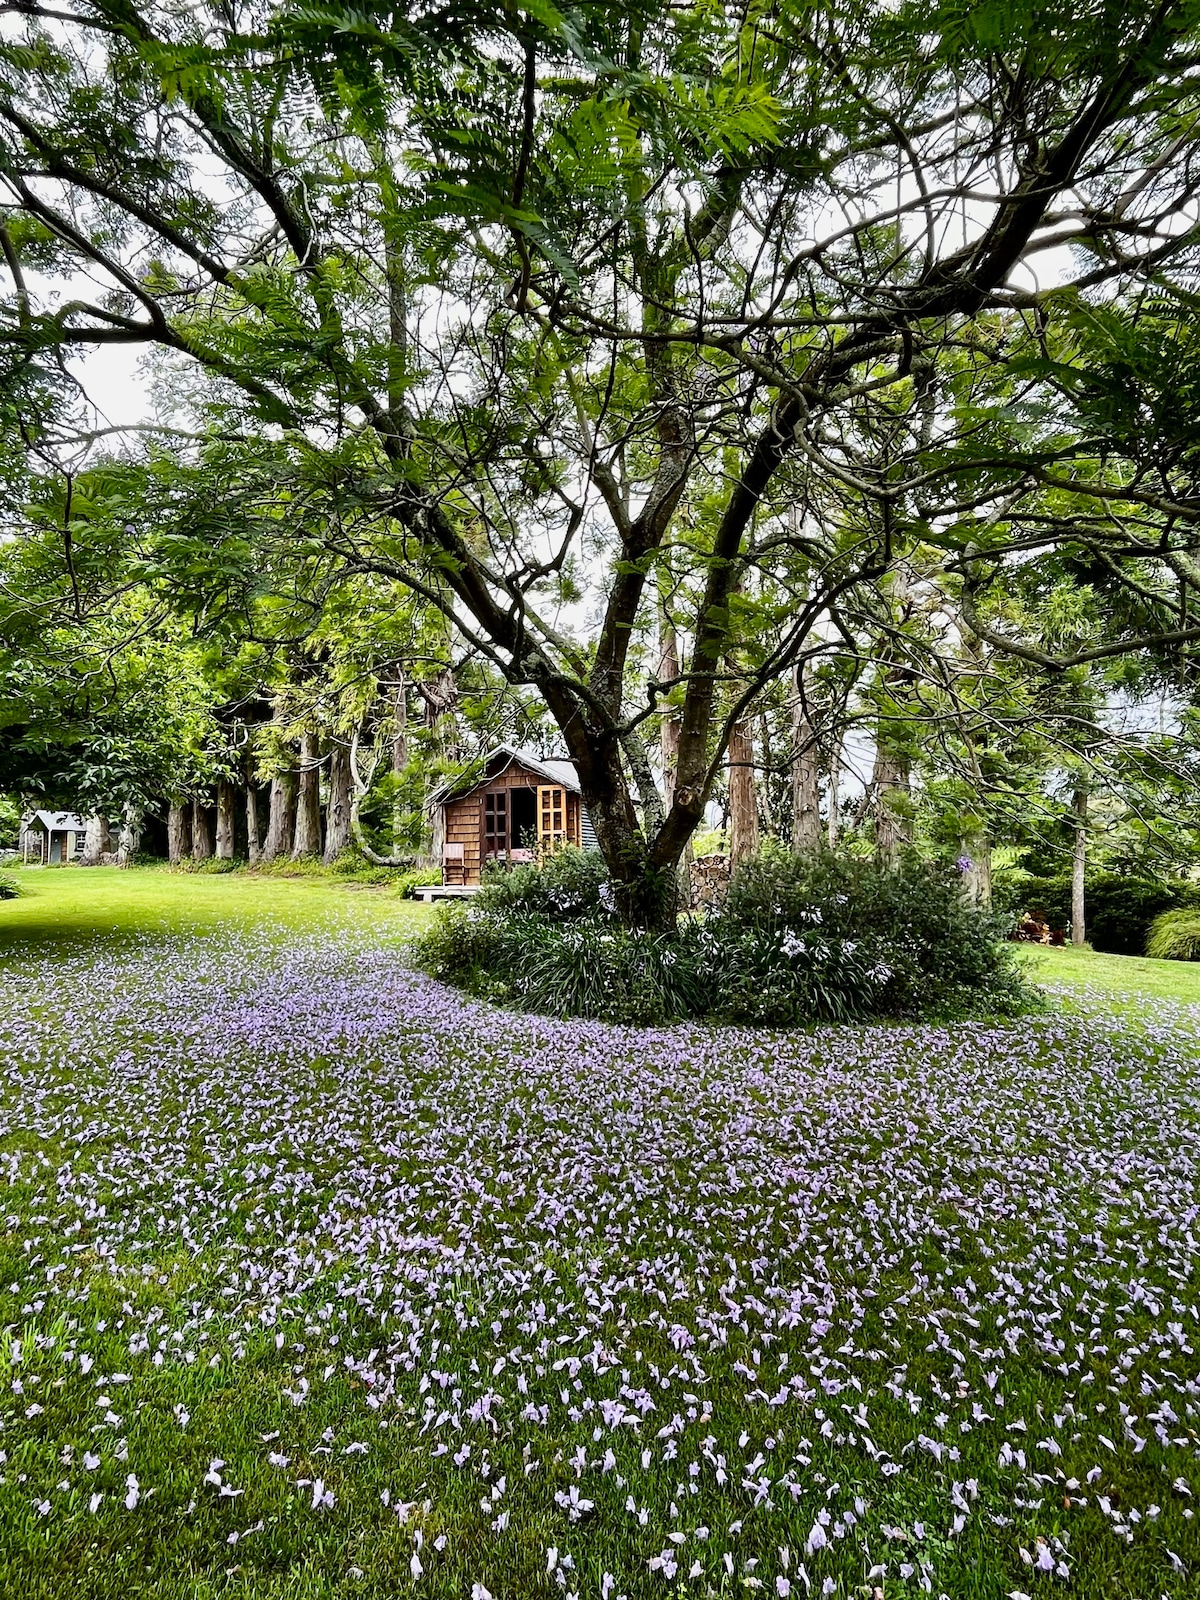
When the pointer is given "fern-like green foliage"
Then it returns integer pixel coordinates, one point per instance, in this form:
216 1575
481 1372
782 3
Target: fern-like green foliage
1175 936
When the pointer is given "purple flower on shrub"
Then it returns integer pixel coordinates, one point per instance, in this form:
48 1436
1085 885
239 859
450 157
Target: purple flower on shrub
963 864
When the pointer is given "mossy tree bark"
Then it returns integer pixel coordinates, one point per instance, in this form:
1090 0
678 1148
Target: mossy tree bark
307 838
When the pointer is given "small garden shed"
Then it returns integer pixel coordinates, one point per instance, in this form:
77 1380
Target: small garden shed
507 809
52 838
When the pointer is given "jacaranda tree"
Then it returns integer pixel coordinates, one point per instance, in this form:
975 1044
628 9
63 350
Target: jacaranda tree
568 316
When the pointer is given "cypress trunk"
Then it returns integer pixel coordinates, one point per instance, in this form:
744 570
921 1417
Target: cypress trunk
743 803
833 797
131 834
806 771
1079 806
178 831
281 824
253 849
399 761
226 799
307 840
337 813
201 835
96 840
977 880
893 785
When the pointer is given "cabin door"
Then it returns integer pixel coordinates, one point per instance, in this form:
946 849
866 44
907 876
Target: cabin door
552 818
495 824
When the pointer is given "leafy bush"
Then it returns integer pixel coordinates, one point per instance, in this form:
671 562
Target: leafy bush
1175 936
351 866
800 940
567 884
9 888
415 878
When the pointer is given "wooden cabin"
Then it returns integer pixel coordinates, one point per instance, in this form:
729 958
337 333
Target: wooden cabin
508 810
52 838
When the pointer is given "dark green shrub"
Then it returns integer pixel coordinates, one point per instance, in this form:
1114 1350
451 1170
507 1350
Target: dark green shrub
1118 909
1175 935
1046 898
480 952
9 887
590 969
566 885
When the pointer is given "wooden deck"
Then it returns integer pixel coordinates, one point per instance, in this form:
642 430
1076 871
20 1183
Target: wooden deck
446 891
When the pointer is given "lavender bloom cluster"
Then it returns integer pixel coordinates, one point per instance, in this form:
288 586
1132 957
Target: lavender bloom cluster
689 1310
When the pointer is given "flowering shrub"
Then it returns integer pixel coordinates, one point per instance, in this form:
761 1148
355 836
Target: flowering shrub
900 941
799 940
568 883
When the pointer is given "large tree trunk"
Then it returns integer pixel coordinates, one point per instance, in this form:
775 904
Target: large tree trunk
668 722
743 802
201 834
337 813
253 849
646 890
1079 806
131 834
281 824
440 695
179 832
833 819
399 761
668 733
96 840
226 800
806 771
307 840
892 783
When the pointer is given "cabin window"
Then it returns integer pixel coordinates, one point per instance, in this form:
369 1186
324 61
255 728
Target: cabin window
552 817
495 823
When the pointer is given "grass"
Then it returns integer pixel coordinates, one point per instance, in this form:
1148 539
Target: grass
333 1285
1128 981
67 906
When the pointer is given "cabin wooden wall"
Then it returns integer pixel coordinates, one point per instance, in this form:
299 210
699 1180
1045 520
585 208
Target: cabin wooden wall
464 825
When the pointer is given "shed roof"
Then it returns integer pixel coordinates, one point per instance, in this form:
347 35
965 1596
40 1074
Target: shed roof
497 761
60 821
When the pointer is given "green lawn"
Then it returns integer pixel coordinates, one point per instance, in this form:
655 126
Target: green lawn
319 1282
68 906
1129 981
